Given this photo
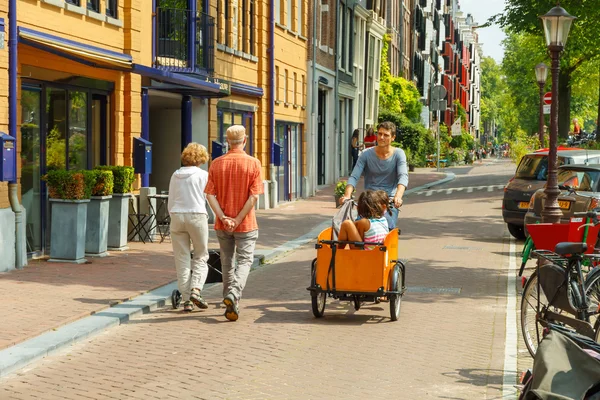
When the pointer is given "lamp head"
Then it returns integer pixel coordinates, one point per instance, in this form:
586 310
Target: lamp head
541 73
557 23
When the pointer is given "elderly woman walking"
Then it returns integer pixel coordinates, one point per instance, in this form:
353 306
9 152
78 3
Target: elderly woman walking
189 221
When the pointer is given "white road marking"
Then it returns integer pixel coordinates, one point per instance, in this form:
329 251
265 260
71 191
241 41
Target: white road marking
467 189
510 348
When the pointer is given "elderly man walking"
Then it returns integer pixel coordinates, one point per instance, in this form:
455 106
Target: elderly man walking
234 184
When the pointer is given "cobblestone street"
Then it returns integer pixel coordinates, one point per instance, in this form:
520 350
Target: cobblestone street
448 343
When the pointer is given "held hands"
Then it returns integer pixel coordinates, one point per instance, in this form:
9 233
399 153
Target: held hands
230 223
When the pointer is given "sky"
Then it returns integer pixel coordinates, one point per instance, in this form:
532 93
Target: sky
492 36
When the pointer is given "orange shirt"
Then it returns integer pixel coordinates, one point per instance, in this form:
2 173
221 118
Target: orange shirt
232 179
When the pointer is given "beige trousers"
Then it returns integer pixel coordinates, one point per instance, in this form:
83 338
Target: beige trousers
191 273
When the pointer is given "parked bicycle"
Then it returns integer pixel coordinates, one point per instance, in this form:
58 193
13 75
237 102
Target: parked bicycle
567 366
558 292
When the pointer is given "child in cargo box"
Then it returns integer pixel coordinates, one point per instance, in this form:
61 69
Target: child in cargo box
372 227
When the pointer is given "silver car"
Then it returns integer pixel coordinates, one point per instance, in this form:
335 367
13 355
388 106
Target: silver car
584 179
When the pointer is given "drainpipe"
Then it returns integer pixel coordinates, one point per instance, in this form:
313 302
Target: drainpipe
315 93
337 124
145 128
12 128
271 51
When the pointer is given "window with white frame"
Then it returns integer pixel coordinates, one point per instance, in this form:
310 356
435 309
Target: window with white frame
277 84
295 89
285 86
112 8
300 17
303 89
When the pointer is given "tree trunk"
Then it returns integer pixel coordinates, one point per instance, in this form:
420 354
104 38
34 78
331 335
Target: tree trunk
564 106
598 116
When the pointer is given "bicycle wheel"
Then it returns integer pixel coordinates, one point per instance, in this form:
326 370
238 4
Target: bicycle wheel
592 291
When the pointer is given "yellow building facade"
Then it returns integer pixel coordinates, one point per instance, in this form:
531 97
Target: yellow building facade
93 75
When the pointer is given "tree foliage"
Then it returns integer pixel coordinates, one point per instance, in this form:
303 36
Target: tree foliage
522 17
396 94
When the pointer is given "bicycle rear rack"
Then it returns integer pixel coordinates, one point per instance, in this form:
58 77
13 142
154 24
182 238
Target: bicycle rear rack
553 257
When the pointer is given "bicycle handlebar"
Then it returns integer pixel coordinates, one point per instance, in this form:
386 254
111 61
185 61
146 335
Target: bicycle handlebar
592 214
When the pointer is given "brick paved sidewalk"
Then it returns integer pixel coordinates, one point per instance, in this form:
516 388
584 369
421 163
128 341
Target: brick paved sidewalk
44 296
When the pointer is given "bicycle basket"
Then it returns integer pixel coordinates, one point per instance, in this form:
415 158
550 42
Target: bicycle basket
546 236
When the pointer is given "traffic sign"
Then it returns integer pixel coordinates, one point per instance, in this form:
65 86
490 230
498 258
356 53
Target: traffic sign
546 108
548 98
438 92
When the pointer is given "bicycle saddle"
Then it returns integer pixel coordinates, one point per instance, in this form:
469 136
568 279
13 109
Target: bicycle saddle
570 248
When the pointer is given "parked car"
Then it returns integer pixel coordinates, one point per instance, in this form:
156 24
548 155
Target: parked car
584 179
530 176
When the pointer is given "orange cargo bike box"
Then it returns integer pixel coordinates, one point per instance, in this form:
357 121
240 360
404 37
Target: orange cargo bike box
546 236
358 275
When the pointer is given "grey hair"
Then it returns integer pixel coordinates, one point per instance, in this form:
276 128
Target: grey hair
237 141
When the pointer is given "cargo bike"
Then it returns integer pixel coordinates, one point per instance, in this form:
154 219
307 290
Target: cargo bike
358 275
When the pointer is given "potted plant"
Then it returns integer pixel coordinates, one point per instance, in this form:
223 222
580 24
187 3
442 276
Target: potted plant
69 193
118 213
96 239
340 189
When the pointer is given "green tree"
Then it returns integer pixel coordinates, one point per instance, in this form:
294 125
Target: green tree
492 86
396 94
522 16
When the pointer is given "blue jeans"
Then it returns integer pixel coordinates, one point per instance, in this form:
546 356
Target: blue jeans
392 219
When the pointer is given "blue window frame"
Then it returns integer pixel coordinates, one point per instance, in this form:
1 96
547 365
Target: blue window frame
111 8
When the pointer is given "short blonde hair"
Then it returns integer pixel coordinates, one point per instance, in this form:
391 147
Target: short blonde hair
194 154
236 134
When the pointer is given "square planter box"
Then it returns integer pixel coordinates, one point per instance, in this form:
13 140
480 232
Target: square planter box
67 230
118 219
96 238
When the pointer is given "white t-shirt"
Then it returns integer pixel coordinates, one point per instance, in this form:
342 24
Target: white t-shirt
186 191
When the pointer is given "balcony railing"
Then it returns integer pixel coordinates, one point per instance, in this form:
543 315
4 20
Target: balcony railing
175 31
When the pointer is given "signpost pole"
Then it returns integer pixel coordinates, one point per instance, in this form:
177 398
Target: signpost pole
438 140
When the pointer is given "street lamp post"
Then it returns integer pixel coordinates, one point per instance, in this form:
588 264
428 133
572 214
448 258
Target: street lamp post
541 73
557 23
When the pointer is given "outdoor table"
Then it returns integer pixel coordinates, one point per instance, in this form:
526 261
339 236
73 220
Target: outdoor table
160 215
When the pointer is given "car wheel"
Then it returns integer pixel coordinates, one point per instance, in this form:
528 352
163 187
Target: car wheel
517 231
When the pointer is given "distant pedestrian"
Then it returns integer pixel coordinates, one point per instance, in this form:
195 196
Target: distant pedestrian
234 184
371 139
355 147
189 221
385 168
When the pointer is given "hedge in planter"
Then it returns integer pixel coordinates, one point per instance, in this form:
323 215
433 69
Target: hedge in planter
103 183
96 239
119 206
123 177
69 193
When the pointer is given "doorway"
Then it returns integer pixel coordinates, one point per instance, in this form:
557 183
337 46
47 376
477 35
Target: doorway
289 173
321 136
70 133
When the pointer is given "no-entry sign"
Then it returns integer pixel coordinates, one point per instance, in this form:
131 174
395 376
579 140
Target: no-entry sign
548 98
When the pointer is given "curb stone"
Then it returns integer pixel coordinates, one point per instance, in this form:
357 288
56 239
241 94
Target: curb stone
22 354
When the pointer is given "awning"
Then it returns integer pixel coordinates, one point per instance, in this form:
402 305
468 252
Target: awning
80 52
178 82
